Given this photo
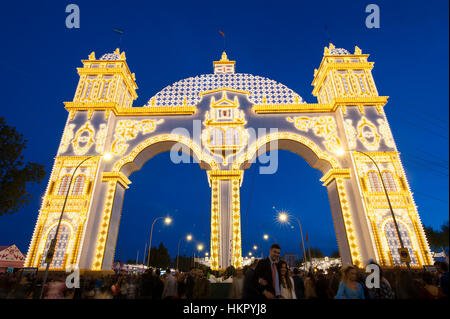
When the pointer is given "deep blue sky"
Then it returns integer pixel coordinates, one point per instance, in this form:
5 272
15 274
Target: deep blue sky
166 41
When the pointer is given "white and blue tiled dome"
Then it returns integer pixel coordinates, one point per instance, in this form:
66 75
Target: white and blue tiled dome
259 87
110 56
339 51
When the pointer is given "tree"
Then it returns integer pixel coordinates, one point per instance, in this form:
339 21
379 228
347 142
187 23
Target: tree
315 253
335 255
14 173
438 239
159 257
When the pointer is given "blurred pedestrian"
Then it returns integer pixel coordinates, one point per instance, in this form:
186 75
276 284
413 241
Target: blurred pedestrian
350 288
237 285
287 288
201 286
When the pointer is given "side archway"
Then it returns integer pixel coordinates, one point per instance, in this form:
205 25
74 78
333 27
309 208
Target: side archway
336 179
117 182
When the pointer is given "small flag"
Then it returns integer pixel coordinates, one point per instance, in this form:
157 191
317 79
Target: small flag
118 31
221 33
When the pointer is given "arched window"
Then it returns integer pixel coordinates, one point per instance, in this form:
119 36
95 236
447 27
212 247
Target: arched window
217 137
389 182
78 185
232 136
394 243
64 185
236 137
60 249
375 184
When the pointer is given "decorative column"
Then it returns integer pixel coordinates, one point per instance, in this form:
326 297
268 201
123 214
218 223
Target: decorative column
225 219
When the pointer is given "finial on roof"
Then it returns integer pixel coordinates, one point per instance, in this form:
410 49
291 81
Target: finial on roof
92 56
332 46
224 66
224 56
357 50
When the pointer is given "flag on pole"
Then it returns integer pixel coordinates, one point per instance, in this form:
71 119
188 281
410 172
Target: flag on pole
221 33
118 31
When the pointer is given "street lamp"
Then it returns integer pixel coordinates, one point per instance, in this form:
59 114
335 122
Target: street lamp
188 238
51 249
341 152
167 221
284 217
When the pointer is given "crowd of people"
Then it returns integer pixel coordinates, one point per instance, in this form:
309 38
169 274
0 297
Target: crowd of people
268 278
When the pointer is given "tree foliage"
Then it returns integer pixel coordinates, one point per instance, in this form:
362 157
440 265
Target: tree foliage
159 257
14 173
439 238
315 253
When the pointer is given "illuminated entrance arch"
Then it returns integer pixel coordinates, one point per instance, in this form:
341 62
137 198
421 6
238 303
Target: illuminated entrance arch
224 121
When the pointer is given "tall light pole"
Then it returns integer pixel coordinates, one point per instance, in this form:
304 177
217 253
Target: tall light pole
167 221
284 217
199 249
188 238
340 153
51 249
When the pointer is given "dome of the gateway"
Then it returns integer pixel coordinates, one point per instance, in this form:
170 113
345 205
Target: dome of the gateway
110 56
258 87
339 51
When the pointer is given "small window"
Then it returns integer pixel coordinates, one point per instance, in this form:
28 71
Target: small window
217 137
78 185
375 184
389 181
64 186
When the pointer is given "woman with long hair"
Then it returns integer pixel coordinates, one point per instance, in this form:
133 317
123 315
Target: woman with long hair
350 288
287 288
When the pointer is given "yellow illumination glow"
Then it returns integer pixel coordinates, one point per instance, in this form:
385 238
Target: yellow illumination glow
340 152
283 217
107 156
200 247
168 220
189 237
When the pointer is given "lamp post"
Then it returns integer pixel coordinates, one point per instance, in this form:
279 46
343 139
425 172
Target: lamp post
341 152
167 221
284 217
188 238
51 249
199 249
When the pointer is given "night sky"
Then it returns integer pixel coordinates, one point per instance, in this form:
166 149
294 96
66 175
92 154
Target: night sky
166 41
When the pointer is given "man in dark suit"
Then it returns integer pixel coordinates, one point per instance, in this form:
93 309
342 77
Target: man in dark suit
266 274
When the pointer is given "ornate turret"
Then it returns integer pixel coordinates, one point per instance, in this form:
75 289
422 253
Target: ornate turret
107 79
224 66
342 74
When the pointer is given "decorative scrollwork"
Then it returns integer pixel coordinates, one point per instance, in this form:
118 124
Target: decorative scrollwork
127 130
67 137
386 133
323 126
368 135
83 140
